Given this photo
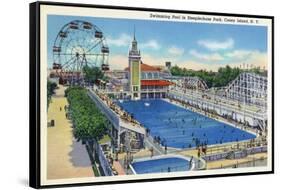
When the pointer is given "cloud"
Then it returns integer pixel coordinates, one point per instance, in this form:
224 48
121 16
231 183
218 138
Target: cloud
150 44
125 40
206 57
253 58
176 51
155 60
214 45
122 40
196 65
118 62
257 59
241 54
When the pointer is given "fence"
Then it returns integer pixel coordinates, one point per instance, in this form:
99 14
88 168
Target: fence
107 111
103 161
235 155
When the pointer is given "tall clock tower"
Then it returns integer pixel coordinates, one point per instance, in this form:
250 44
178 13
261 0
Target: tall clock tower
135 70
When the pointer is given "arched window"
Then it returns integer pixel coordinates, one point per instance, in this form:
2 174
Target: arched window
149 75
156 75
143 75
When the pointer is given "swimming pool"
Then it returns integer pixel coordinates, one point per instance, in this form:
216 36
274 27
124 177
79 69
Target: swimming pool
181 128
161 164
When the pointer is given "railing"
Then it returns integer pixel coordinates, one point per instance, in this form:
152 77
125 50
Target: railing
132 127
156 146
153 90
114 119
235 154
196 99
104 162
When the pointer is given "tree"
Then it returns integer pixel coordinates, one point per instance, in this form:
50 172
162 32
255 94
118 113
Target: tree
92 74
213 79
51 86
89 123
221 78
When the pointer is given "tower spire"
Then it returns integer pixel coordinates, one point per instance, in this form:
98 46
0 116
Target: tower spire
134 33
134 42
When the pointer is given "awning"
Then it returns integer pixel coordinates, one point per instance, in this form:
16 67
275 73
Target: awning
155 83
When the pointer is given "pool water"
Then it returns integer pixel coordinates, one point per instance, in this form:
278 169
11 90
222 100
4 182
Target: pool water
178 127
161 165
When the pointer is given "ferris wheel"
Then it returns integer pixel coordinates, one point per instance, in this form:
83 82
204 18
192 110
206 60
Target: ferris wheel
79 44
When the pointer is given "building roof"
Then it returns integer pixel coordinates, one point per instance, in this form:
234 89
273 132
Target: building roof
65 74
145 67
155 83
160 67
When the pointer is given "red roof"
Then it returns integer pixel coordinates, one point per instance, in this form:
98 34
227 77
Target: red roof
155 83
145 67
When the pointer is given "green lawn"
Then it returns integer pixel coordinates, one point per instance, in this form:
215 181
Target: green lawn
106 138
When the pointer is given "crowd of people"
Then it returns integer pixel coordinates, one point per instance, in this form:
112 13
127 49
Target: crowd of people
114 107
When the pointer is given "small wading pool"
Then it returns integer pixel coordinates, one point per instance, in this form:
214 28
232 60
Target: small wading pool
161 165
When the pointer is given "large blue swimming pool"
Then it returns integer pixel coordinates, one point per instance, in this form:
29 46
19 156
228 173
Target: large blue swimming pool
181 128
160 165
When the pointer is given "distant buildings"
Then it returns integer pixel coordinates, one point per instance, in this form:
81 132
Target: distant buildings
168 65
64 77
140 80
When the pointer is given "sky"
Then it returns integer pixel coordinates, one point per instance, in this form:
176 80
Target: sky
190 45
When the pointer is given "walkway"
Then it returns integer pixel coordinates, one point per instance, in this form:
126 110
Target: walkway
158 150
118 167
66 157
